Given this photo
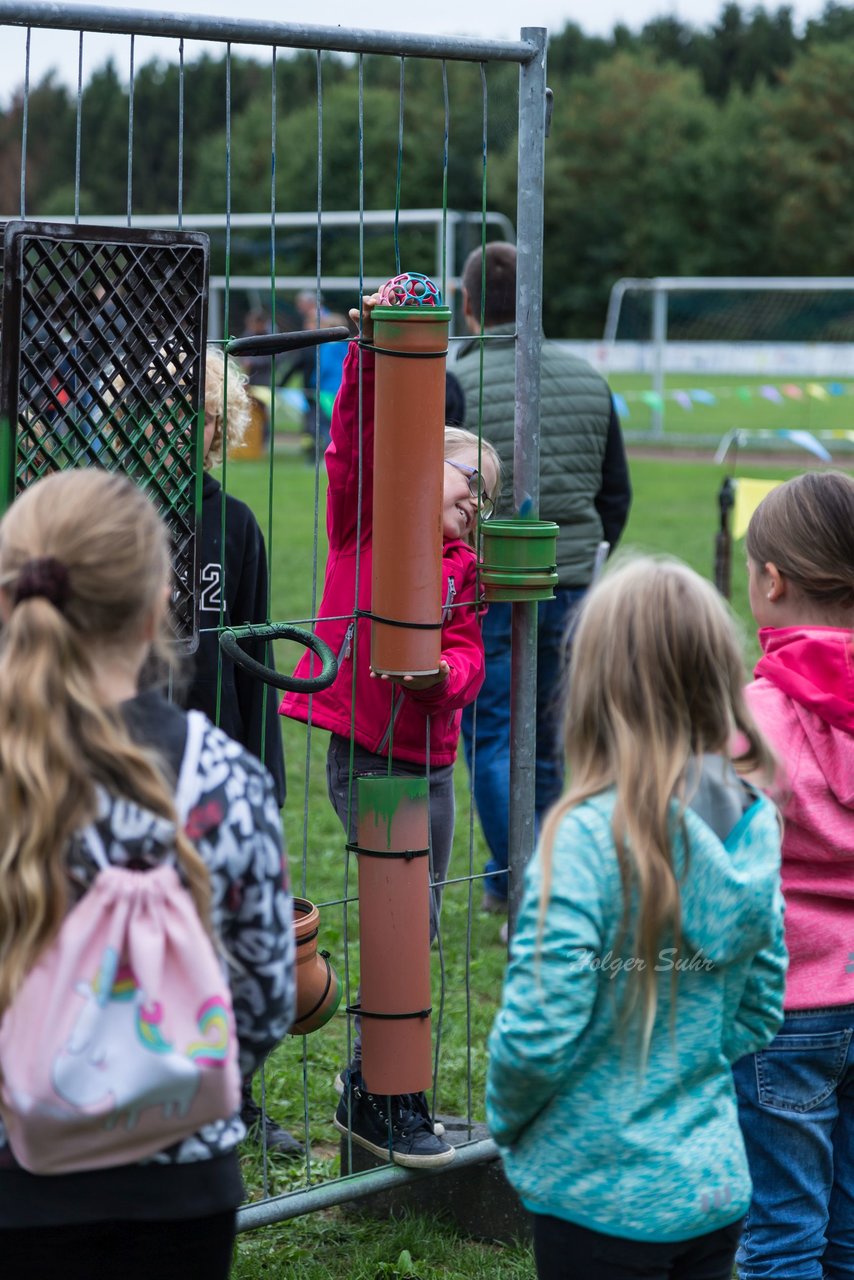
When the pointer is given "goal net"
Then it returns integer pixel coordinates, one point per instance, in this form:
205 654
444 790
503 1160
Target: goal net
740 339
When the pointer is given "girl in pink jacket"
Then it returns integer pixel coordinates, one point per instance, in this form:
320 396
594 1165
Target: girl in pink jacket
416 717
796 1098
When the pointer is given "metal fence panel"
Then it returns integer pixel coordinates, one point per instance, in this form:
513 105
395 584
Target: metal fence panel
167 373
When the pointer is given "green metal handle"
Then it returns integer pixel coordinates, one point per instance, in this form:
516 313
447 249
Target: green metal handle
228 642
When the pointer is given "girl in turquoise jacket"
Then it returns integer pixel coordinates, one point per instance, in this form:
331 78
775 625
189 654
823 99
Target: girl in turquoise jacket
648 954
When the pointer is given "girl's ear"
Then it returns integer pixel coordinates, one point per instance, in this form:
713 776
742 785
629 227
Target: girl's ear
776 583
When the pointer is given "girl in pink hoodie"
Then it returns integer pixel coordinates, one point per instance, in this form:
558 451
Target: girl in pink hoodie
796 1098
415 718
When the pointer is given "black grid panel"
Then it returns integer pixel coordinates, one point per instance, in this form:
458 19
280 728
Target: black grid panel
102 364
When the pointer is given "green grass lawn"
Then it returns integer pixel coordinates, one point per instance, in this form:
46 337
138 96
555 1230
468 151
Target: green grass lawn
674 511
738 405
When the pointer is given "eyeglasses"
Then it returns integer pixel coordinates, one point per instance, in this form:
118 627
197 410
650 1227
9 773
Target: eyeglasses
477 488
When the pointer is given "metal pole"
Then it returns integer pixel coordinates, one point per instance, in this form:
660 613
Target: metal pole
526 450
228 30
659 341
357 1186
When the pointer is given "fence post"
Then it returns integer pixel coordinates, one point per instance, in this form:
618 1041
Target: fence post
659 342
526 449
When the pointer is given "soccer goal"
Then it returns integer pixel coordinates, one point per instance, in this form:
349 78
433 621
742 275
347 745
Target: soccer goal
766 339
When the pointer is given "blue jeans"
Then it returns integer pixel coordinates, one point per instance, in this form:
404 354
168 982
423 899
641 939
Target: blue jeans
796 1107
492 754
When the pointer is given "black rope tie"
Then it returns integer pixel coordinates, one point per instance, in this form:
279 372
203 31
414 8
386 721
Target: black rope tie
404 355
324 955
408 854
390 1017
396 622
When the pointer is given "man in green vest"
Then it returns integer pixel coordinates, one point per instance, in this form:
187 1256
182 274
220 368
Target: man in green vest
584 488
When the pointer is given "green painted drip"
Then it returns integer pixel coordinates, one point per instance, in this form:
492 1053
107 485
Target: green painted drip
379 797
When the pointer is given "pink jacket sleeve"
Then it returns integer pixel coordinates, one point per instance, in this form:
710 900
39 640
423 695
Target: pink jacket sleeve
462 648
342 456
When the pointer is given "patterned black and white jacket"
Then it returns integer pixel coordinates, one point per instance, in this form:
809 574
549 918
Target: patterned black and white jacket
226 800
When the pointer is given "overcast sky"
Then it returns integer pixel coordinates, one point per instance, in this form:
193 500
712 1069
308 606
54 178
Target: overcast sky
490 18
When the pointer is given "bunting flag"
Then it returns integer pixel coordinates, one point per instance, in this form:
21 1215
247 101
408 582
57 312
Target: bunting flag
737 437
748 495
808 442
687 398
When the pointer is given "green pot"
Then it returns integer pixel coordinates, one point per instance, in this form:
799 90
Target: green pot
518 546
526 585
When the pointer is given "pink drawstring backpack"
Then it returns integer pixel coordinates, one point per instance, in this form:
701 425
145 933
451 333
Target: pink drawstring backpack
121 1040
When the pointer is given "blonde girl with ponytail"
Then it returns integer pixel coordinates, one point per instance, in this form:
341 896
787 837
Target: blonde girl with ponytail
648 951
84 588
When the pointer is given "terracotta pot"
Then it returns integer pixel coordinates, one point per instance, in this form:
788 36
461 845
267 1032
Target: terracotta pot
318 988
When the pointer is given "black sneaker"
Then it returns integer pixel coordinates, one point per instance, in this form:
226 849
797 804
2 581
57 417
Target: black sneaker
263 1130
406 1129
419 1102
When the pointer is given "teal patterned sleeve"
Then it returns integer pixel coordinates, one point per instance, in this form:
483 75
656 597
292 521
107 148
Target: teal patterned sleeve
551 984
759 1014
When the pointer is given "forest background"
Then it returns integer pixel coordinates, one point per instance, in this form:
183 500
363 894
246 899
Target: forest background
673 150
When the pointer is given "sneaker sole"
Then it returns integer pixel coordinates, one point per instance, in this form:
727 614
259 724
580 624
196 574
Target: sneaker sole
408 1162
438 1127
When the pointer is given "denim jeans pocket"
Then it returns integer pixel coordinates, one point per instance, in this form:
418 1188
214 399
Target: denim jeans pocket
797 1072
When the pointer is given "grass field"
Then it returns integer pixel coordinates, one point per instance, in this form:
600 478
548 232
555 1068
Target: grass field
804 404
674 511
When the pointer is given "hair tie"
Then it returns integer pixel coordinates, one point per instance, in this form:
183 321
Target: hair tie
47 577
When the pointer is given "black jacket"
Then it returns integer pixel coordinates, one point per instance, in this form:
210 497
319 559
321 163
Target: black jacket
248 709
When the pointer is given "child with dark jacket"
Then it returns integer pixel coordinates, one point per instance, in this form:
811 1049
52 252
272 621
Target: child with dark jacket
233 592
233 586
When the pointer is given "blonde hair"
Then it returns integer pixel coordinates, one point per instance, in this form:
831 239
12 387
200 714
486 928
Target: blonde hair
107 550
806 528
656 678
458 441
220 369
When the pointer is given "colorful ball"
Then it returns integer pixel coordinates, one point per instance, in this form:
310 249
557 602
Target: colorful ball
411 289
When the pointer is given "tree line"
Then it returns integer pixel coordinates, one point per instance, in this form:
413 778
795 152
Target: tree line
672 150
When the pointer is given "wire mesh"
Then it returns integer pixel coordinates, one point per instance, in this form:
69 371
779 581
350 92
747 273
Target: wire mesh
101 366
117 369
